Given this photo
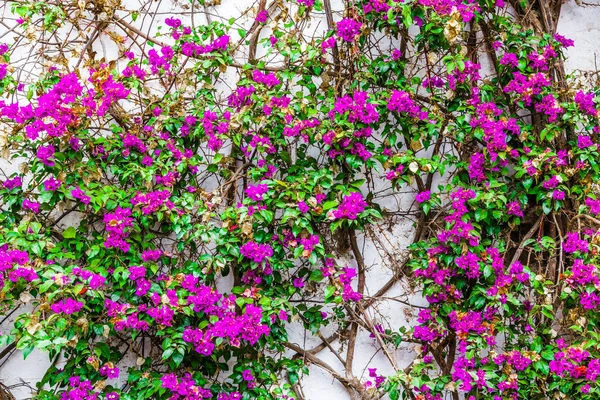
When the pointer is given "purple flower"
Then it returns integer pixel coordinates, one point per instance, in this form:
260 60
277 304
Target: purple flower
351 206
558 195
147 161
298 283
327 44
358 108
45 153
173 22
303 207
169 381
116 224
151 255
74 143
509 59
112 396
550 107
423 196
470 263
262 16
270 80
551 183
247 375
31 205
136 272
584 142
589 301
52 184
256 252
514 208
256 193
109 371
66 306
13 183
573 243
586 103
347 29
79 194
564 41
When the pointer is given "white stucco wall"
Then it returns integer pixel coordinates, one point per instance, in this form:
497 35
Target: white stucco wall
580 24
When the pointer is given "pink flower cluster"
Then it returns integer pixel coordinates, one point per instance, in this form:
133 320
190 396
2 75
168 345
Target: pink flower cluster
45 154
192 49
15 264
184 388
67 306
93 280
116 224
348 29
109 371
257 252
300 127
346 277
256 193
576 363
527 87
573 243
53 113
357 107
269 80
230 326
466 9
84 390
214 129
402 103
350 207
241 97
79 194
152 202
585 101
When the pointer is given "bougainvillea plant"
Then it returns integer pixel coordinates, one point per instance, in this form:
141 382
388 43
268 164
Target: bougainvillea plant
184 200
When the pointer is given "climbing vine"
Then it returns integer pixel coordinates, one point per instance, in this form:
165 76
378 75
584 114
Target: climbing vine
193 189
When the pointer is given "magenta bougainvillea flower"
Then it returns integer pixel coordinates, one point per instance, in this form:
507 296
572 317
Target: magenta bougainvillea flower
348 29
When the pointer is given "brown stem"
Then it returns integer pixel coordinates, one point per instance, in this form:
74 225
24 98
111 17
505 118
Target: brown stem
527 236
256 29
351 385
330 24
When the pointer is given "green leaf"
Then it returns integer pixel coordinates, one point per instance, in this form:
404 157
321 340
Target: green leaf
316 276
178 356
407 16
328 205
293 377
547 207
426 207
329 291
27 351
167 353
70 233
46 285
